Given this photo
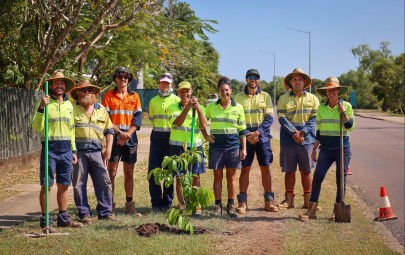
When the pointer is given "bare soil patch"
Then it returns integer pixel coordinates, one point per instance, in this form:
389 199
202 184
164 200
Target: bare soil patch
149 229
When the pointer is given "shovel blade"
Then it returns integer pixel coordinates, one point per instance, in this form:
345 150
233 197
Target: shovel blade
342 212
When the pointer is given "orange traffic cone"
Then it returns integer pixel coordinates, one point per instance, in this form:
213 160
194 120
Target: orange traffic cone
348 171
386 212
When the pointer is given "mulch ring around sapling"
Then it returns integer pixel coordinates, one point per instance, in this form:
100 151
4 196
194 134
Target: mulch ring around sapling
149 229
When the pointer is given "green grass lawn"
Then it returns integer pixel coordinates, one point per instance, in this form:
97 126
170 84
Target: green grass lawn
362 236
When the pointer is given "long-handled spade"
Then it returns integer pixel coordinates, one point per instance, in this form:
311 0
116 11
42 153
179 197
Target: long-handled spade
342 211
46 138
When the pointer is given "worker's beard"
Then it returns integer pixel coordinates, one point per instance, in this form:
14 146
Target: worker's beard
87 100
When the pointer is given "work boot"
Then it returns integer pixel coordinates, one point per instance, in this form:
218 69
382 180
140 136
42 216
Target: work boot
72 224
51 230
109 218
242 204
230 210
288 202
86 220
269 202
306 200
130 209
311 213
217 210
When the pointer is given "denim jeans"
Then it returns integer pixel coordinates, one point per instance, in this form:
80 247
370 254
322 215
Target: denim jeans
91 163
325 160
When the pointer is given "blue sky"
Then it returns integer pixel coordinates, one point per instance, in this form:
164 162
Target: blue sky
336 26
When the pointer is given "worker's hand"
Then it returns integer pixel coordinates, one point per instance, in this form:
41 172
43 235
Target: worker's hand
123 138
210 138
314 155
106 157
243 154
298 137
44 101
341 106
253 137
74 160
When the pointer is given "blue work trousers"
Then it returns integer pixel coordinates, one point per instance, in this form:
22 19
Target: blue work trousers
91 163
325 160
160 198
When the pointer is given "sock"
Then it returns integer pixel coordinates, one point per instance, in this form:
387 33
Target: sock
60 212
218 202
129 199
231 201
243 193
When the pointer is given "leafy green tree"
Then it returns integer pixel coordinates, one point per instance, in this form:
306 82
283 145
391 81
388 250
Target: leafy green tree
385 73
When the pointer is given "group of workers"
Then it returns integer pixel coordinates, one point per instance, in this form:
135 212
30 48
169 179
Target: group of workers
89 138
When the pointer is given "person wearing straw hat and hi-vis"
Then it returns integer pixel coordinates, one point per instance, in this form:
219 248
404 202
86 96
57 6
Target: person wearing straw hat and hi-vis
61 146
259 117
161 198
92 124
296 112
328 140
181 119
124 108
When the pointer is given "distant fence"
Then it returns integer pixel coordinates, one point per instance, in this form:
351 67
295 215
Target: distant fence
17 137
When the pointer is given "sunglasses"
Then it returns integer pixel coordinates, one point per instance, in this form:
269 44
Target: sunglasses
126 77
166 76
85 90
252 77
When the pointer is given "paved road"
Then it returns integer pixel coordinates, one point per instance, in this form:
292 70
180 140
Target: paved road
378 160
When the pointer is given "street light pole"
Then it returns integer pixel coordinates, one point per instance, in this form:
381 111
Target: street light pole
309 35
274 74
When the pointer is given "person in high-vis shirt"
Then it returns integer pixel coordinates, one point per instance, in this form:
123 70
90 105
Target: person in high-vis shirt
61 146
227 143
124 108
92 124
161 199
296 112
180 117
328 140
258 109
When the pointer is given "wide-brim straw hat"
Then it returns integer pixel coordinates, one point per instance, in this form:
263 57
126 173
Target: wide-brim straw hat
82 85
287 79
331 83
69 84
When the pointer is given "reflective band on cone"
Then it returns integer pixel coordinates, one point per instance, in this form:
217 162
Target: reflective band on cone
386 212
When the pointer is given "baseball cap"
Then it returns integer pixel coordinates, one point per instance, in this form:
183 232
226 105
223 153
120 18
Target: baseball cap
252 72
184 85
166 77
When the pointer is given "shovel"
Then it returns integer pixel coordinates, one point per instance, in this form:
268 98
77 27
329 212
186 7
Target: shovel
342 211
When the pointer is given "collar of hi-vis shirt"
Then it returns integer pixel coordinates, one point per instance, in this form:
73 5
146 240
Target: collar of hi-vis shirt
257 91
233 103
293 94
128 90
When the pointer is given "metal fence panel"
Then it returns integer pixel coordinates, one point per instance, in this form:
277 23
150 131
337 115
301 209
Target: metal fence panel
17 136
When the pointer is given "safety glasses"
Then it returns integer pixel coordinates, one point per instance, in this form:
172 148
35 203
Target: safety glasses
166 76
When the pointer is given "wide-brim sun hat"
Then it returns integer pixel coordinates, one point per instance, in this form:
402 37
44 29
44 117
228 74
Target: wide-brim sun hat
69 84
331 83
82 85
287 79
